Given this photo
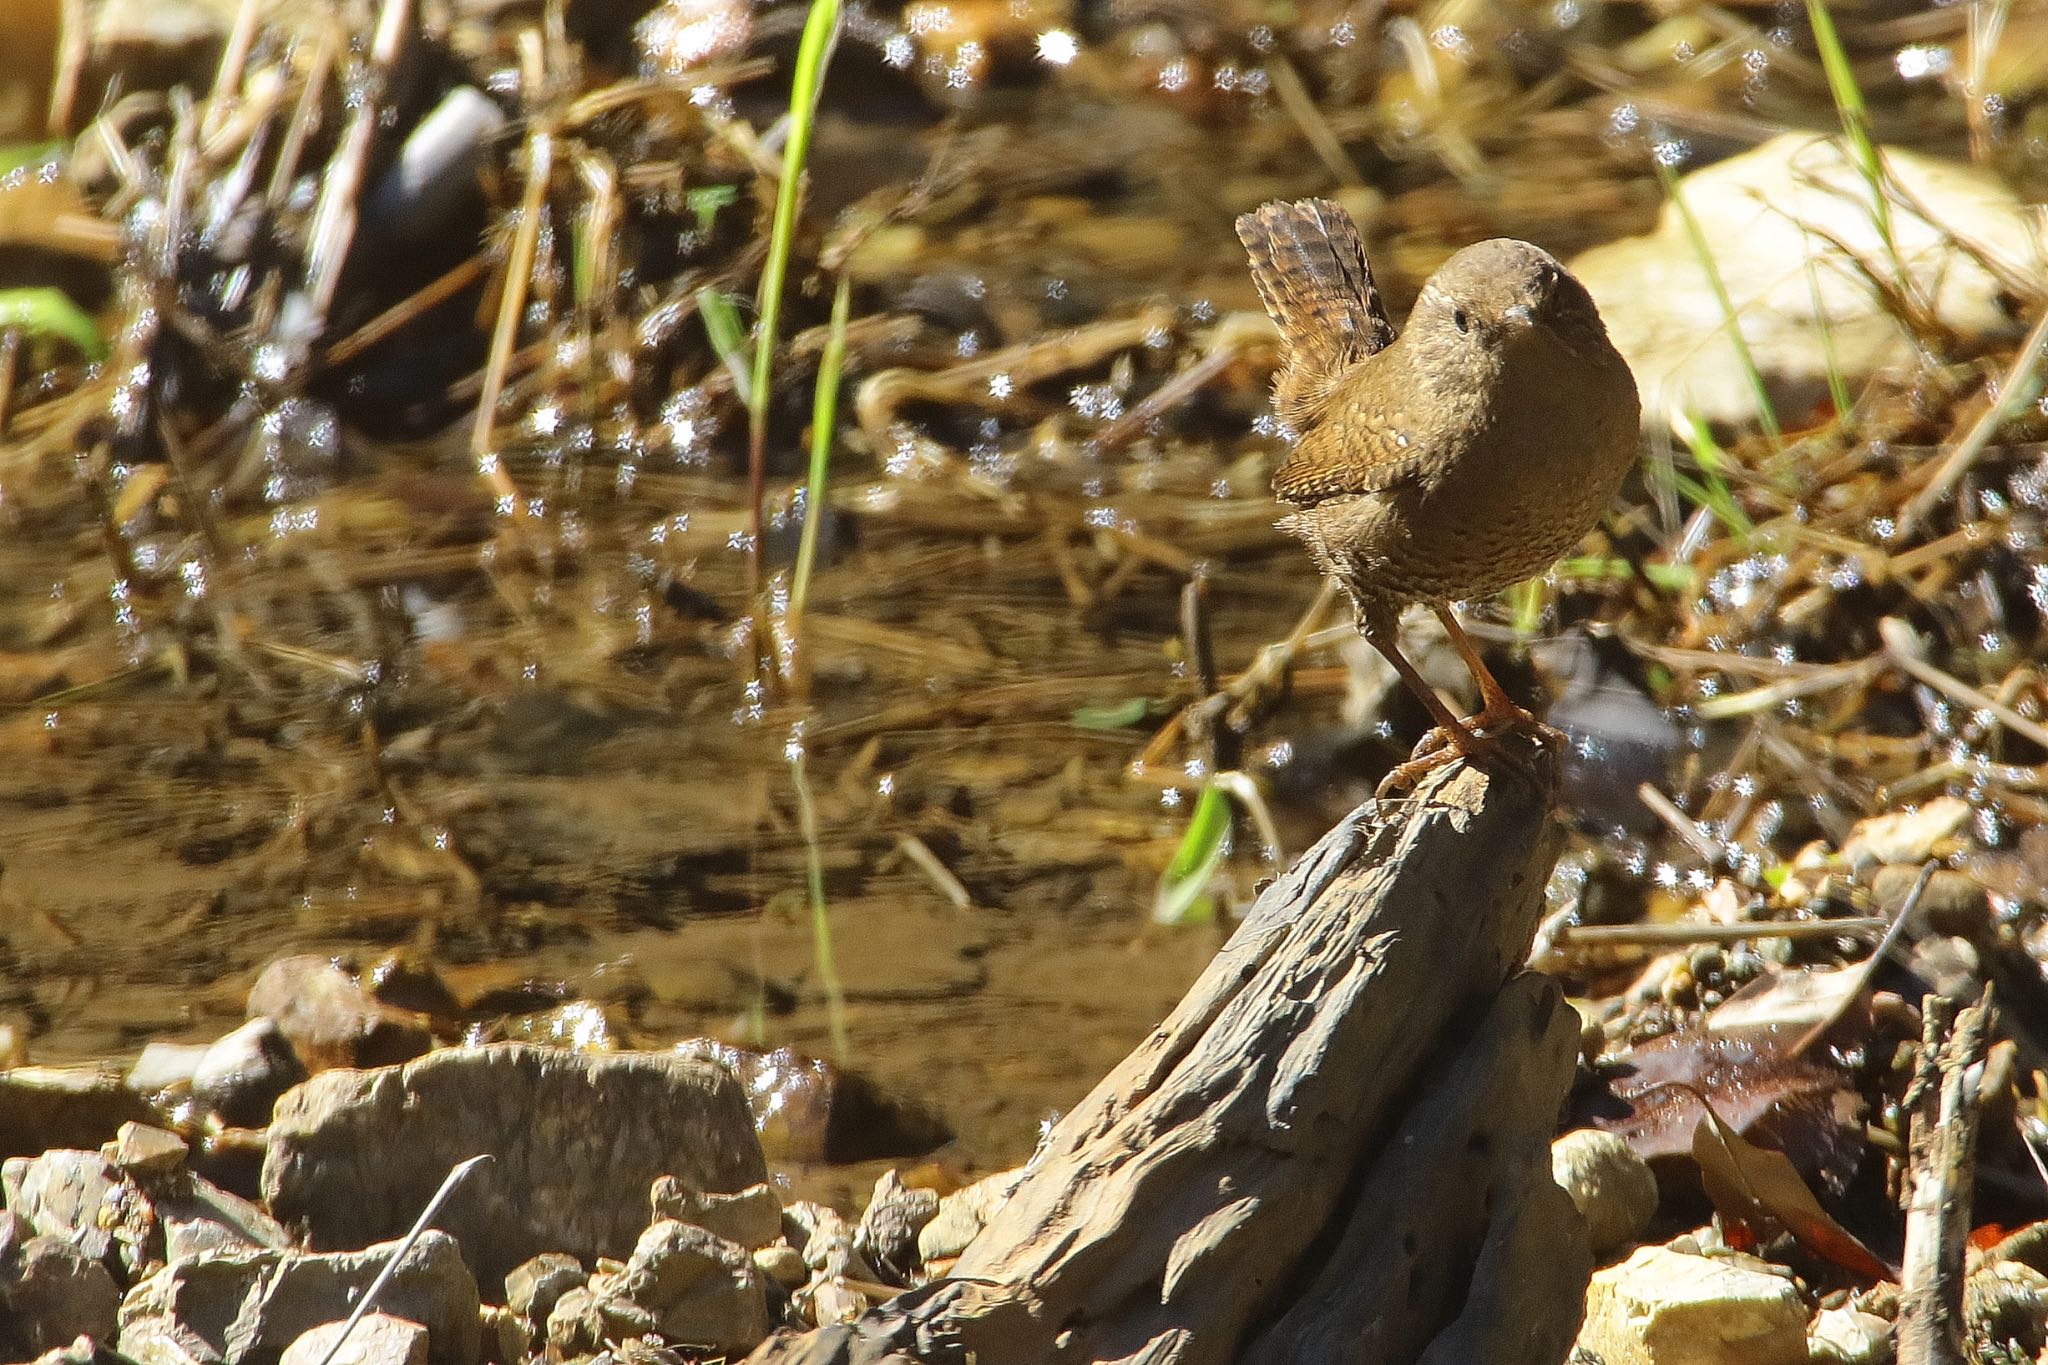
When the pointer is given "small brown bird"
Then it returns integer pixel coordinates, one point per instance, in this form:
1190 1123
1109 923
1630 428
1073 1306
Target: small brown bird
1452 461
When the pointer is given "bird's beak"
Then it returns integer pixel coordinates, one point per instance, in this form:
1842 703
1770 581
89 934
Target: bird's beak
1520 313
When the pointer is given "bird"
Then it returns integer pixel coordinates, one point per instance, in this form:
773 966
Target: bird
1451 460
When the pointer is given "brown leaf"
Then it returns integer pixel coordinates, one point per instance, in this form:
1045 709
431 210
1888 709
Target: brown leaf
1761 1189
1803 1105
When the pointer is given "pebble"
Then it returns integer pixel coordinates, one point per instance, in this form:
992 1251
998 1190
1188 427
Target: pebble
241 1074
1848 1336
751 1217
145 1151
783 1264
693 1288
1662 1307
42 1107
963 1213
534 1287
1611 1186
888 1230
379 1339
51 1292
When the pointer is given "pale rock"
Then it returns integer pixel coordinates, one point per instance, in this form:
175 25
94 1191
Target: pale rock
963 1213
1612 1187
691 1287
1848 1336
534 1287
783 1264
1662 1307
145 1151
1905 836
245 1307
1767 215
751 1217
379 1339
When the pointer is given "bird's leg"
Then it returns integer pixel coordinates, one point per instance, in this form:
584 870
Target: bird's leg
1460 740
1497 710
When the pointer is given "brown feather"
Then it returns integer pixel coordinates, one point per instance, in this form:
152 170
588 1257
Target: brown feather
1311 272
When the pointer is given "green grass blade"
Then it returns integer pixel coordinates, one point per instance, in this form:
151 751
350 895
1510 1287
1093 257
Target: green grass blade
1855 117
1183 896
44 312
728 336
821 918
824 420
813 53
1767 415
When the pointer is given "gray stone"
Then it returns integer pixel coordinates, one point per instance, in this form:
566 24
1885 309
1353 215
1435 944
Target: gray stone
895 1215
752 1217
84 1198
145 1151
246 1307
828 1241
242 1074
1613 1188
329 1019
532 1288
693 1288
198 1216
53 1292
46 1106
578 1139
379 1339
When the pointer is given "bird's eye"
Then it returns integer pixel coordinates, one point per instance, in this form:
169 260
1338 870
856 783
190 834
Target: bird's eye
1460 321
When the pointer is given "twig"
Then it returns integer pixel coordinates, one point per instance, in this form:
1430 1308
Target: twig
1869 967
1943 1102
1904 647
2014 392
433 1207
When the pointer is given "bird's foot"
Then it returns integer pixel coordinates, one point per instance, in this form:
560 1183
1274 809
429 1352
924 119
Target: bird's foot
1479 738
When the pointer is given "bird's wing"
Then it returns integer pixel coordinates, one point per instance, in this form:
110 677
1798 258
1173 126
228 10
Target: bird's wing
1310 267
1343 458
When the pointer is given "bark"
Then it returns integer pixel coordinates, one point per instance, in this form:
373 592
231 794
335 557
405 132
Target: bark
1335 1149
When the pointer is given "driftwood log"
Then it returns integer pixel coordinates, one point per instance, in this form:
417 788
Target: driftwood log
1336 1149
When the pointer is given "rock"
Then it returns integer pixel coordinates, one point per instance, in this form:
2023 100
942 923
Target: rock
828 1241
895 1214
508 1340
532 1288
379 1339
829 1300
330 1020
146 1152
811 1111
1753 210
1846 1336
752 1217
693 1288
783 1264
1612 1187
2007 1301
247 1307
83 1198
1905 836
241 1075
164 1069
578 1139
963 1213
53 1292
1954 902
84 1351
1662 1307
198 1216
42 1107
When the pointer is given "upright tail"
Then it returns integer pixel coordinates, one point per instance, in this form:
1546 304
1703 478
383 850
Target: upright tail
1310 267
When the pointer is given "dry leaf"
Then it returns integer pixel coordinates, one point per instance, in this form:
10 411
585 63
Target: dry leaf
1761 1190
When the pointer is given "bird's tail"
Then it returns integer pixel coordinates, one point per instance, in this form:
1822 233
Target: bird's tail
1310 267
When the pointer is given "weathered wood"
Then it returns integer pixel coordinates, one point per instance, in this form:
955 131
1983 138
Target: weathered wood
1336 1147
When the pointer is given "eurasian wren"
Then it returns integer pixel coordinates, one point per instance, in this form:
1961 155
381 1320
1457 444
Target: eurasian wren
1453 460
